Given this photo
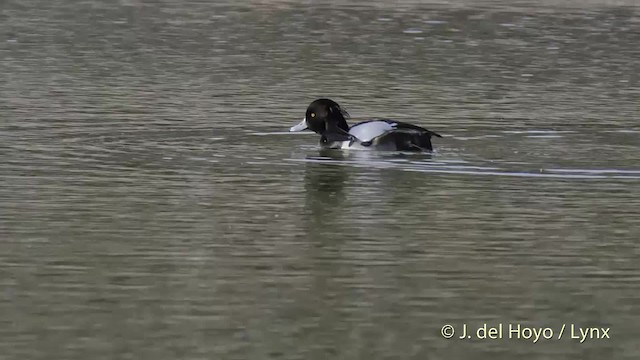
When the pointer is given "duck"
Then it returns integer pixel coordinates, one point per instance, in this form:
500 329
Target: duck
328 119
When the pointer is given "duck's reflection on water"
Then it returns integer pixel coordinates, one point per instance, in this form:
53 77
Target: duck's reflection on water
337 182
324 184
359 185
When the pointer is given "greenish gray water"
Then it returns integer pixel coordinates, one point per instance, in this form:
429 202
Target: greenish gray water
153 205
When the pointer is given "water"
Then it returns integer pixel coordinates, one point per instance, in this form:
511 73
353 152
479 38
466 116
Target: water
153 205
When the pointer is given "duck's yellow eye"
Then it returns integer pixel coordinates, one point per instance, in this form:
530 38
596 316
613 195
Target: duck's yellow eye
313 114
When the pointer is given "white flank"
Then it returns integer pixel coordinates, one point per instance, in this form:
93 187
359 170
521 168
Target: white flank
370 130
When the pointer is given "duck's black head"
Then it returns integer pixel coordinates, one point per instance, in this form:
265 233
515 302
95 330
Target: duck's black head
324 116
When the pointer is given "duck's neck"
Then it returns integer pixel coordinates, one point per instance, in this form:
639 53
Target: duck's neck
342 122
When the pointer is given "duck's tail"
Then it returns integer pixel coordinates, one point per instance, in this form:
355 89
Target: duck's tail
432 133
422 142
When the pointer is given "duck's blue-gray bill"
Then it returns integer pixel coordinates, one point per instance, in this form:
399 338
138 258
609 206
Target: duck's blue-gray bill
301 126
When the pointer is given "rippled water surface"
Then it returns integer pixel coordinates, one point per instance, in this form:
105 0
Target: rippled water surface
153 205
